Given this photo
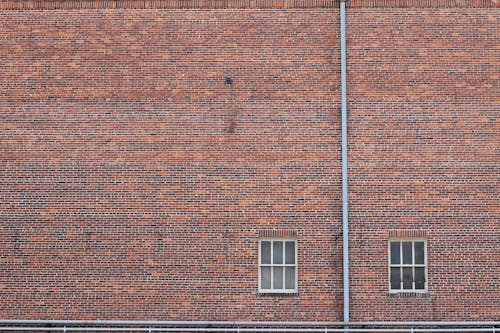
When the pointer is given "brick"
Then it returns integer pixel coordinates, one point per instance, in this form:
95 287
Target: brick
135 182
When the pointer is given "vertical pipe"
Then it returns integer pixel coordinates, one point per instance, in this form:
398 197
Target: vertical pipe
345 208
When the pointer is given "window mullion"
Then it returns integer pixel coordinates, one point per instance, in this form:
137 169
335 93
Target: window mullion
272 270
284 285
413 278
261 287
413 265
284 260
425 265
401 265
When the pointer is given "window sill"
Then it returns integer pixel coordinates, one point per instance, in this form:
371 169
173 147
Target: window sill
278 294
416 294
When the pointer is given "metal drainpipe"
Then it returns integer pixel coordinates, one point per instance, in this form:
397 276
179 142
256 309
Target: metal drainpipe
345 207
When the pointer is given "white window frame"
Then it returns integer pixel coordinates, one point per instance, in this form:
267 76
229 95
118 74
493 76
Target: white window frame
278 291
413 265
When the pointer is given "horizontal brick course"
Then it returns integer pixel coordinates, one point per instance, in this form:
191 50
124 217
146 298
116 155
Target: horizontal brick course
228 4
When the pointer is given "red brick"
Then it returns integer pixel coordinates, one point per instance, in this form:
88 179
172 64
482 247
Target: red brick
135 183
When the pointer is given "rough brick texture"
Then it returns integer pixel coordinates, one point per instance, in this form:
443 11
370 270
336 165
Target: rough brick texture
424 106
135 181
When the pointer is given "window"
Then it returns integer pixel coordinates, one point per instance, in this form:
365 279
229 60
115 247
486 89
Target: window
277 266
408 265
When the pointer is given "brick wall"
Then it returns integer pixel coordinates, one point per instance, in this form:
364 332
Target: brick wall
424 156
135 181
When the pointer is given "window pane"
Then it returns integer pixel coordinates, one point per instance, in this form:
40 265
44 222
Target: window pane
277 277
395 278
407 277
395 255
419 278
290 253
265 277
277 252
419 253
265 255
290 278
407 253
